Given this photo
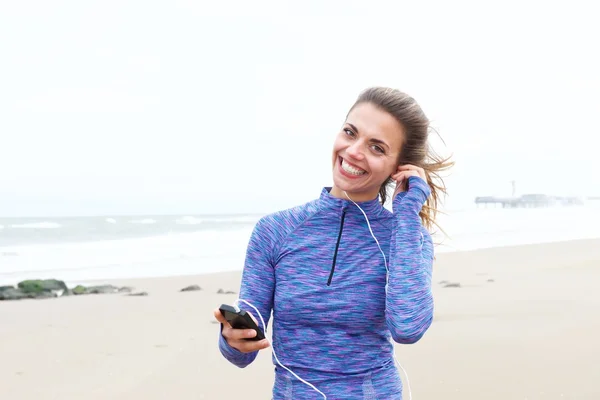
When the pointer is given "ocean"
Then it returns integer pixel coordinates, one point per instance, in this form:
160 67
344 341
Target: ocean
79 249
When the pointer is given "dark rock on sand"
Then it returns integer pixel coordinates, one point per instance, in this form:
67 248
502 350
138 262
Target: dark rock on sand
79 289
10 293
138 294
191 288
452 284
47 288
34 289
102 289
39 286
221 291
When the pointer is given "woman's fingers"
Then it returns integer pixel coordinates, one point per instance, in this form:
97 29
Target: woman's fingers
238 334
249 346
420 172
237 339
404 175
219 317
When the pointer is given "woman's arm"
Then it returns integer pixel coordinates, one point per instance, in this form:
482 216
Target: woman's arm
257 287
409 300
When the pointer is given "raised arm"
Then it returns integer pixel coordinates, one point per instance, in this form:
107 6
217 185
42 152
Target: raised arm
409 300
256 288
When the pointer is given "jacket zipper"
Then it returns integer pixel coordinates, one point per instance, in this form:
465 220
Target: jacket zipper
337 245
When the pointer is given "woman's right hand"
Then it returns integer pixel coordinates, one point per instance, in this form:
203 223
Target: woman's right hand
236 337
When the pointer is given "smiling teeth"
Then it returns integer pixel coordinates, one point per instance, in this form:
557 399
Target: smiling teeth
351 170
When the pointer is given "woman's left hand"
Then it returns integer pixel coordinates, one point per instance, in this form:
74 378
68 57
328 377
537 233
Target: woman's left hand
403 173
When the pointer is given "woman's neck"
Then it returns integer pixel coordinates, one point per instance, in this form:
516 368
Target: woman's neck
357 197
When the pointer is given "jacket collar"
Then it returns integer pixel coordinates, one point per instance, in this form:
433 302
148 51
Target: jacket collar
328 202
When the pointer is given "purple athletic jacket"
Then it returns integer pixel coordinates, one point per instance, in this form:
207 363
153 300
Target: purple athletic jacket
320 272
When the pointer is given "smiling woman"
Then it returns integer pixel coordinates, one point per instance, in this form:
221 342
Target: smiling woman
387 132
366 152
341 274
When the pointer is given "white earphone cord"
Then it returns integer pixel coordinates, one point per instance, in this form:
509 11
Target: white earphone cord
386 285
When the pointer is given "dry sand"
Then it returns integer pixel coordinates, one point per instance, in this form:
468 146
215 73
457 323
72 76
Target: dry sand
532 333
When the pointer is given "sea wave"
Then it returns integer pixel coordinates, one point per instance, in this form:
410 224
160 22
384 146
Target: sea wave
37 225
145 221
190 220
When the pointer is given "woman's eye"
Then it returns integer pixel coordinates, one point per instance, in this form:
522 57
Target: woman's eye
378 149
349 132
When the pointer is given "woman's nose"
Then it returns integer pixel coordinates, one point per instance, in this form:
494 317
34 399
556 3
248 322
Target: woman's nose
355 150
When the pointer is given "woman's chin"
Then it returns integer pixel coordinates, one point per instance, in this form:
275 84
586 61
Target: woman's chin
355 192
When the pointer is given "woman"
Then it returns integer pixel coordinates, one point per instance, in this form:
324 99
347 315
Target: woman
342 274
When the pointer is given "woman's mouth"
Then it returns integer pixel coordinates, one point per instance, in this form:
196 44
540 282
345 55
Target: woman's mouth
351 169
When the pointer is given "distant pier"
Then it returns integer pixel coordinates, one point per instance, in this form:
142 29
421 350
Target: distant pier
527 201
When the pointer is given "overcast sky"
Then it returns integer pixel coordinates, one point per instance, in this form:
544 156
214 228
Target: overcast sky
137 107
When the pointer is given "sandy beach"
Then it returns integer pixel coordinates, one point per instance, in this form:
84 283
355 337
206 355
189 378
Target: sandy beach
524 324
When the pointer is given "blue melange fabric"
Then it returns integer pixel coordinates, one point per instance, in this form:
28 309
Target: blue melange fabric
320 272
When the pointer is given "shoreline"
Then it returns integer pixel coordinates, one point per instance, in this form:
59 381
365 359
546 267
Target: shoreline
73 282
443 257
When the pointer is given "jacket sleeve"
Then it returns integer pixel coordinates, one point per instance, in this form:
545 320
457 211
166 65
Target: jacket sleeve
409 299
258 282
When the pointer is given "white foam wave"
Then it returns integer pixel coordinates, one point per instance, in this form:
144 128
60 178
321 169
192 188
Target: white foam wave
188 221
145 221
172 254
111 220
37 225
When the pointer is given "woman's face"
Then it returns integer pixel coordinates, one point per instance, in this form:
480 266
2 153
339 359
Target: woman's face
365 152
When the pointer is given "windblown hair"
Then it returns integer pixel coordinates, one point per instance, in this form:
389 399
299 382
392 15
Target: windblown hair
416 149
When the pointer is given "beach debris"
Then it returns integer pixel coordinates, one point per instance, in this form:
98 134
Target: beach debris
221 291
138 294
442 282
191 288
51 288
452 284
491 280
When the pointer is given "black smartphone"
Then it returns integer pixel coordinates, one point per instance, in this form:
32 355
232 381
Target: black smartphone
241 320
